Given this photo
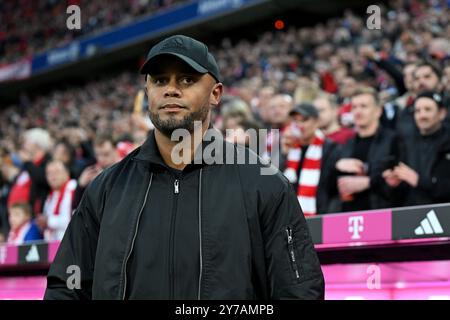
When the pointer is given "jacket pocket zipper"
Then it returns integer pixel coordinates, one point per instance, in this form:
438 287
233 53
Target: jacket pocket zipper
291 251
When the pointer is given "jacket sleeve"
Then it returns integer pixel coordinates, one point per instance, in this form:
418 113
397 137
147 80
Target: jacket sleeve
437 186
78 249
292 265
394 72
37 174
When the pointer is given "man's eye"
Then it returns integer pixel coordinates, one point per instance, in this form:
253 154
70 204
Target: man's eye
158 81
187 80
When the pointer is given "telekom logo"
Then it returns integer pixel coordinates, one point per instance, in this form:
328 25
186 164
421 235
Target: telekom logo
355 226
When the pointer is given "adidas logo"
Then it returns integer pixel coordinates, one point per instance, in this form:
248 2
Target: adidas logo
32 255
429 225
174 43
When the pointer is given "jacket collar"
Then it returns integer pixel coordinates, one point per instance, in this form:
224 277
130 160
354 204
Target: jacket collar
150 153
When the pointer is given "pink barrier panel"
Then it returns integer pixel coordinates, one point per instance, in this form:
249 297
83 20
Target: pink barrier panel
388 281
8 255
357 227
22 288
384 281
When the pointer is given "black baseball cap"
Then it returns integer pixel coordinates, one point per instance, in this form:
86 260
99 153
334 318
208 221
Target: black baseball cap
435 96
305 109
191 51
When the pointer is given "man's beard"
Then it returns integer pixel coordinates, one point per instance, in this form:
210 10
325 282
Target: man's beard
167 127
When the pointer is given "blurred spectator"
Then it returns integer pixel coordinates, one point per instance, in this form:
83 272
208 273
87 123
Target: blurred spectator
233 119
236 105
346 90
280 106
260 105
329 121
106 154
424 175
308 161
426 77
31 185
361 160
245 132
8 175
59 204
400 109
278 117
23 228
80 149
66 153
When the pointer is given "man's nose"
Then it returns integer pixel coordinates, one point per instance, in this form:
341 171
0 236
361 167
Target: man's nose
172 89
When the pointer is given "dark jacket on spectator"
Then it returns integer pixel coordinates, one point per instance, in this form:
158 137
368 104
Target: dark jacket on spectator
212 231
385 148
39 185
429 156
5 187
405 124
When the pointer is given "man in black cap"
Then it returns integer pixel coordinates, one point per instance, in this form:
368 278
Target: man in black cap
423 176
152 227
308 159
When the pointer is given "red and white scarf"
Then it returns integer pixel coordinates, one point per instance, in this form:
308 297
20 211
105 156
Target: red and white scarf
309 174
58 209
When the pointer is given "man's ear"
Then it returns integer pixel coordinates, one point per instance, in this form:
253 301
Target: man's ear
216 94
146 85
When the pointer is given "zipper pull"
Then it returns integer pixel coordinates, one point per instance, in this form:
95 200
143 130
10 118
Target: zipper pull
291 252
176 184
289 235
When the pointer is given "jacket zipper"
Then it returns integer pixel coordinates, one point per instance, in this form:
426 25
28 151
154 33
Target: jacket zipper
134 237
176 191
291 251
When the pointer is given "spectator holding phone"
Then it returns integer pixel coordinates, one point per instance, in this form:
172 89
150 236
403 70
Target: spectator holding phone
424 175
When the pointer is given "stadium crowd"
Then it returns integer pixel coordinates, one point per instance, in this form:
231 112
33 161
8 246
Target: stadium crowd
362 119
23 33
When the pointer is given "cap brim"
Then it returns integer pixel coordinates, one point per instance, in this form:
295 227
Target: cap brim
293 112
301 113
147 66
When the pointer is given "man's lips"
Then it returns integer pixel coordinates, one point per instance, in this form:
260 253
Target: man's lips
172 107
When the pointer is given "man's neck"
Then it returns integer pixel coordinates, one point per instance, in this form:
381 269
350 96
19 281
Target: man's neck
306 142
61 187
368 131
38 156
166 145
